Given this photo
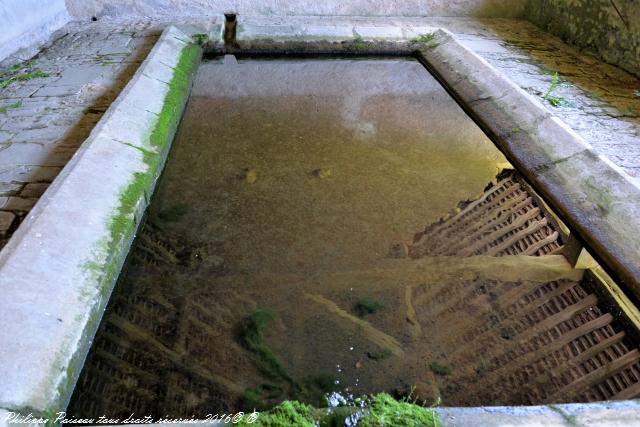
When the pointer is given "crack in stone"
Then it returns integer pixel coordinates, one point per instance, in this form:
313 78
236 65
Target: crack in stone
548 165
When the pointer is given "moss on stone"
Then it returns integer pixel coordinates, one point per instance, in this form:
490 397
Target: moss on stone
16 104
384 410
16 76
381 410
108 257
287 414
424 38
570 419
160 139
200 38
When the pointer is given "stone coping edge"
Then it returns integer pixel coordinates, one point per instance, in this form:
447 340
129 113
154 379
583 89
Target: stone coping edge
594 197
59 268
610 414
445 57
624 413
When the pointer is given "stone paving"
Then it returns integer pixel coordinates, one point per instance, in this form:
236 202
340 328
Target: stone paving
44 120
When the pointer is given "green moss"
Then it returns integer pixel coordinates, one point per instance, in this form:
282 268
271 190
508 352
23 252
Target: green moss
252 336
260 398
160 139
381 410
287 414
428 39
12 77
50 415
439 369
358 43
314 389
386 411
424 38
123 222
367 305
200 38
379 355
19 66
570 419
105 60
16 104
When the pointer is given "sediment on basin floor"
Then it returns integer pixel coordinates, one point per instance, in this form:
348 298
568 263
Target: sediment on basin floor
269 266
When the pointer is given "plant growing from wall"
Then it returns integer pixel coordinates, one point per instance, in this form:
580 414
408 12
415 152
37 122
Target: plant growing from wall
555 100
424 38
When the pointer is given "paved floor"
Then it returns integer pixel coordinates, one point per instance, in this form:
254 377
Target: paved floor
45 119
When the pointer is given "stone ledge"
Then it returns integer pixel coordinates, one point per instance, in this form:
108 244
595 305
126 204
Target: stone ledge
595 198
610 414
480 97
58 270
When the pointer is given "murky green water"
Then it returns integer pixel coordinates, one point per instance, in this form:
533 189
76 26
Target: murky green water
263 271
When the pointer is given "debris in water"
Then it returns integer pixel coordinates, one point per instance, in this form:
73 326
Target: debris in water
321 173
366 306
439 368
399 250
249 175
374 335
378 355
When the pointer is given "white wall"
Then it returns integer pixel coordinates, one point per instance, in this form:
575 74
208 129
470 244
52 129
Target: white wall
483 8
27 23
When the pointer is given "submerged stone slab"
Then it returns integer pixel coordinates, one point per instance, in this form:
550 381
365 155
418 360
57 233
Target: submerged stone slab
57 272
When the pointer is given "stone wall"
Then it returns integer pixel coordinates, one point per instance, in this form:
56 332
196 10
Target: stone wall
27 23
610 29
478 8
